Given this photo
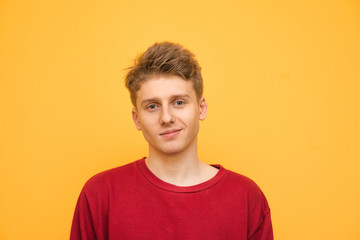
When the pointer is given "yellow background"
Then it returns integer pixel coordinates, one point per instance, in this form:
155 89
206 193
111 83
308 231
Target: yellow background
281 81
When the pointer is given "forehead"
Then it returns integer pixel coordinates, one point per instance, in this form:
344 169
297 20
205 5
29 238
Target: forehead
165 87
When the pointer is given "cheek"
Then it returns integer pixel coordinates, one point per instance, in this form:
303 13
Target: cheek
148 131
192 118
148 123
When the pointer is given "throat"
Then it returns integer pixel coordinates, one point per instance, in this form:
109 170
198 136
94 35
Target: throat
185 172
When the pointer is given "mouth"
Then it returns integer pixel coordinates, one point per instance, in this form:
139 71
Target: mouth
170 133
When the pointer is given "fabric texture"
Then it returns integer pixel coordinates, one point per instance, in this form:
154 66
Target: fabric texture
130 202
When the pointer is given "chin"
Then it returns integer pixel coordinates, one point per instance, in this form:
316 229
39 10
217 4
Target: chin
170 150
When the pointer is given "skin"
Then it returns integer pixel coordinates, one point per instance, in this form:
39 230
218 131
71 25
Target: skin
168 114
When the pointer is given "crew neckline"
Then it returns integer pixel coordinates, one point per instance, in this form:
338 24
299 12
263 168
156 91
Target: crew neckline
153 179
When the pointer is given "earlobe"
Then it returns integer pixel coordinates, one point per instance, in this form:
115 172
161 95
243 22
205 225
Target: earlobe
203 108
136 119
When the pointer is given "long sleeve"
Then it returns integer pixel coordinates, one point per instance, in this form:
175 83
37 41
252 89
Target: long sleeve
90 220
259 216
82 226
264 231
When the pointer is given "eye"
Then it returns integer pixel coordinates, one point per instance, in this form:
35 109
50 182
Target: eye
151 107
179 102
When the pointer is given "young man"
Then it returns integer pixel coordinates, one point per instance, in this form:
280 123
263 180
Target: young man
170 194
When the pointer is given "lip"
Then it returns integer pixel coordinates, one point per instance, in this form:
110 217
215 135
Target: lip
170 133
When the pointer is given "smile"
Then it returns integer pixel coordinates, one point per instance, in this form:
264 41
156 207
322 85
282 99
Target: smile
170 133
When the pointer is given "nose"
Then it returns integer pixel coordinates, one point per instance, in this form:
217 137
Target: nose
166 116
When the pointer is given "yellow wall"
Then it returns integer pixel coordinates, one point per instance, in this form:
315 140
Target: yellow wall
281 81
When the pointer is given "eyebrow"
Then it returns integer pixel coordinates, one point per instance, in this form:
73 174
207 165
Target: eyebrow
145 101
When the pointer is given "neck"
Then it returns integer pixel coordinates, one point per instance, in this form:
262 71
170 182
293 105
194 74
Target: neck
181 169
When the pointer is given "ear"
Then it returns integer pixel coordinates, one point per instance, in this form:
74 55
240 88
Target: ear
135 117
203 108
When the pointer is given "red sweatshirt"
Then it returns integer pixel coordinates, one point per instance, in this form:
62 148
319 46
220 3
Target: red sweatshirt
130 202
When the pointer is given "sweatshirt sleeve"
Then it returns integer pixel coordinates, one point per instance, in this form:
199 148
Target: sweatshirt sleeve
264 231
82 226
90 220
260 226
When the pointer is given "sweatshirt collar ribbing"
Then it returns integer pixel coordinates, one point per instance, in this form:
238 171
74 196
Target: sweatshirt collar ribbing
152 178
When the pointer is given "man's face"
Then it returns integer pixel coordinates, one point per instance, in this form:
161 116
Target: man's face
168 113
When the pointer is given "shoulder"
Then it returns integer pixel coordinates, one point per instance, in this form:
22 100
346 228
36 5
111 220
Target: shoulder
244 187
105 179
246 191
246 199
240 181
